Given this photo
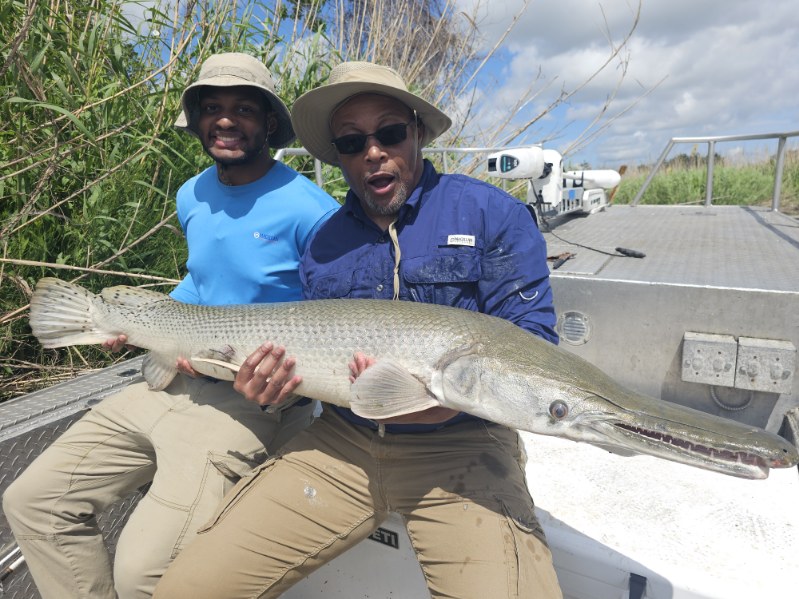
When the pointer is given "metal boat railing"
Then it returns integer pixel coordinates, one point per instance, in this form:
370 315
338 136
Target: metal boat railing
711 142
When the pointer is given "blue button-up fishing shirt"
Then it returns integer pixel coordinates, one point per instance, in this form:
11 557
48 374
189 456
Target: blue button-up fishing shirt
463 243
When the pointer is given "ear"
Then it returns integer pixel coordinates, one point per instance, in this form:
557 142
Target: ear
271 123
420 130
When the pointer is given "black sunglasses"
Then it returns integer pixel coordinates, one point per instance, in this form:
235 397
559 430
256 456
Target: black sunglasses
390 135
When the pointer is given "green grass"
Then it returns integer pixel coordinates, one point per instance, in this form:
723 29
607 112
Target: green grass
747 184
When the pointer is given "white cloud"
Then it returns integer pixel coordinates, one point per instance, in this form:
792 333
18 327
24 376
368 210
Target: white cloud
723 67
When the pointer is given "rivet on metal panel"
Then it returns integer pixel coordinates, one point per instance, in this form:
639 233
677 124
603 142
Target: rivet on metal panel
709 359
765 365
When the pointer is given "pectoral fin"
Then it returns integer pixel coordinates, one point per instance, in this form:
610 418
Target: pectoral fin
157 372
222 363
387 389
224 371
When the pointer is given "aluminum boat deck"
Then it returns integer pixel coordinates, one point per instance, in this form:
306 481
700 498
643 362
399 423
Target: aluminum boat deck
719 246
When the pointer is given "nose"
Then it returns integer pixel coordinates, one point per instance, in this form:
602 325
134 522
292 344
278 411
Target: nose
225 117
225 120
374 150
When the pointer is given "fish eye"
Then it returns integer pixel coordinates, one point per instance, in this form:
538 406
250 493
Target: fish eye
558 410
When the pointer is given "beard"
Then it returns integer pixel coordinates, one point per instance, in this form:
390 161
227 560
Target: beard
392 207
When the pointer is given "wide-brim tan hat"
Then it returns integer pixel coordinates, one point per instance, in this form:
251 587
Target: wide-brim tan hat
231 69
312 111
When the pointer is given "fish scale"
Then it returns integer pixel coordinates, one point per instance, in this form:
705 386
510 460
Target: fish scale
425 355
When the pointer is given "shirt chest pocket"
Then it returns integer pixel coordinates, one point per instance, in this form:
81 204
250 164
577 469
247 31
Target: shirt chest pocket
332 287
448 278
351 284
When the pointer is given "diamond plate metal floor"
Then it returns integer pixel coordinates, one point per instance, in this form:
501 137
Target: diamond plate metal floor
718 246
30 423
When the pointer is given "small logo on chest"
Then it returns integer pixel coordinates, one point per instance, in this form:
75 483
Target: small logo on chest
460 240
264 236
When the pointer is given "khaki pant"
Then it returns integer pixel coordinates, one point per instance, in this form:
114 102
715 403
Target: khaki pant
193 441
461 491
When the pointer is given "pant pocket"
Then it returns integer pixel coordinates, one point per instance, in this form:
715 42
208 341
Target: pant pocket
521 514
527 553
234 466
235 494
222 473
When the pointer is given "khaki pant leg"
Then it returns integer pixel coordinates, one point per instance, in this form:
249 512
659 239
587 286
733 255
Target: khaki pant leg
284 520
51 507
210 438
461 490
469 514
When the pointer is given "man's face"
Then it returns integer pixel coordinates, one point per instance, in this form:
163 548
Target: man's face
382 176
234 124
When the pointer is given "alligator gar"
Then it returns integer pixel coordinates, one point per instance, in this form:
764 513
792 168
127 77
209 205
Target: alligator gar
426 355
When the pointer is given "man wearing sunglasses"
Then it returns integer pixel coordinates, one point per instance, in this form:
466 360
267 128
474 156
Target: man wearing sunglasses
408 233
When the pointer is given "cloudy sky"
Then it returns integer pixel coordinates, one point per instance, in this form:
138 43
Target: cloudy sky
710 67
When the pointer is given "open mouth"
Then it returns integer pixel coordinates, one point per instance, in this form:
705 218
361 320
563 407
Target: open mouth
226 141
380 182
722 455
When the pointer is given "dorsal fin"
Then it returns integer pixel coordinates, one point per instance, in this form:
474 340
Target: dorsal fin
122 295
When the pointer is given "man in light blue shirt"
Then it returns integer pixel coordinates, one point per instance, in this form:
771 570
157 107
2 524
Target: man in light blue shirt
247 221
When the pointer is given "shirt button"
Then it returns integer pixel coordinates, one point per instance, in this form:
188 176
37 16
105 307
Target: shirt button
379 287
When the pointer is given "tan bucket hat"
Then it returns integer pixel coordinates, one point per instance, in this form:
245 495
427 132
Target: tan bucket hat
312 111
232 69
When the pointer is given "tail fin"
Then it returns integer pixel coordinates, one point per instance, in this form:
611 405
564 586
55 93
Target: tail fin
63 314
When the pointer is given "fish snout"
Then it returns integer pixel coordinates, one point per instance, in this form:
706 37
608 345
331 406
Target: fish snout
787 457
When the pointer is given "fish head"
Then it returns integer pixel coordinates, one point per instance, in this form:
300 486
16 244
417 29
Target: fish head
507 392
631 424
609 416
